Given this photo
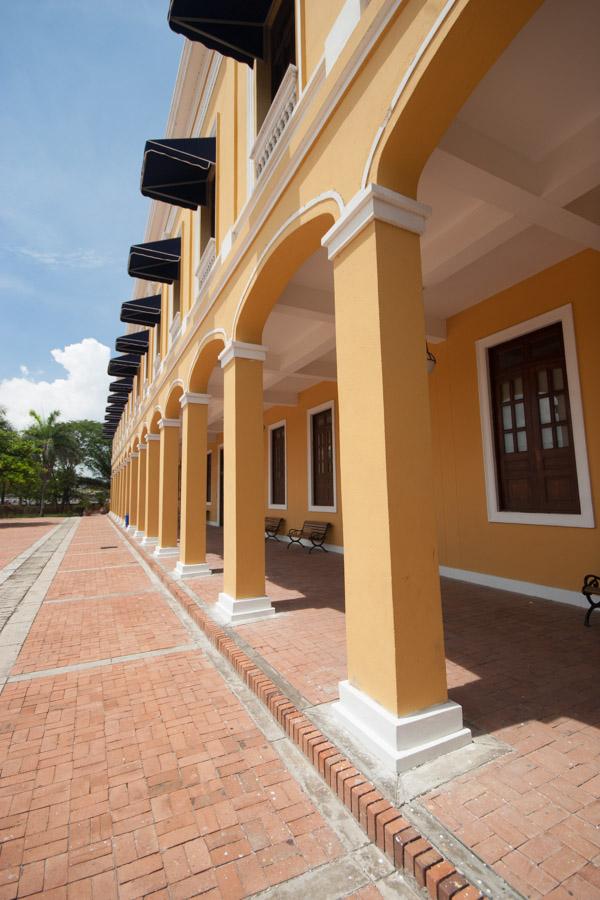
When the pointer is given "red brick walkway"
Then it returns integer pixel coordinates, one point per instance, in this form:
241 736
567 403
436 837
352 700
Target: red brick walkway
17 535
147 777
526 672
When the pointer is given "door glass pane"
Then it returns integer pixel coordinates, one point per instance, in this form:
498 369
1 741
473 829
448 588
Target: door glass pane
506 417
520 415
558 379
518 386
544 410
521 441
560 408
547 439
505 390
562 436
542 382
509 444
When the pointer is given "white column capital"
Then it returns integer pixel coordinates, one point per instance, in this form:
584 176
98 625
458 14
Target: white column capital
134 455
169 423
142 445
370 203
199 399
152 437
242 350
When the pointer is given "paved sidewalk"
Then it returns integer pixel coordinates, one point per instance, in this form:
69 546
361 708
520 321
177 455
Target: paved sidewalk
134 763
18 535
526 673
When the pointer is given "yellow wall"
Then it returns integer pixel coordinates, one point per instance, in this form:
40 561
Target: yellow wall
295 418
539 554
317 19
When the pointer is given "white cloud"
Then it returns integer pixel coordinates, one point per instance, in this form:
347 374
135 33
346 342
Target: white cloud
76 259
24 370
80 395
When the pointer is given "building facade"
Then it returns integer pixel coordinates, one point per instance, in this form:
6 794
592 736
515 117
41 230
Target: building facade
372 263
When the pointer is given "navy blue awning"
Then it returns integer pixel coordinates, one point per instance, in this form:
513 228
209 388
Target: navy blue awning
121 385
136 342
176 171
156 261
235 28
145 311
127 364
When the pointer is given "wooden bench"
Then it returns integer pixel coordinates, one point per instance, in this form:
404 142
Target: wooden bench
591 588
315 532
272 526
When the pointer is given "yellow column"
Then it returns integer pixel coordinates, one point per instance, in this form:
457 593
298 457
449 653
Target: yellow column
133 491
121 490
141 491
243 598
126 490
395 640
192 552
150 526
168 487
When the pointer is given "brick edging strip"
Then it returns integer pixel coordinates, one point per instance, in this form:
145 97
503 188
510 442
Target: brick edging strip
382 822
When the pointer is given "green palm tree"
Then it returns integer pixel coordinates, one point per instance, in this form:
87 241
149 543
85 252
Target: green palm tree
53 442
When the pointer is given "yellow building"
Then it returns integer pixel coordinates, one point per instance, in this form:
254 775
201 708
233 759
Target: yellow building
372 258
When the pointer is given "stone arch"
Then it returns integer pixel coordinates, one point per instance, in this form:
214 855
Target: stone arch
205 360
156 417
294 242
172 406
437 83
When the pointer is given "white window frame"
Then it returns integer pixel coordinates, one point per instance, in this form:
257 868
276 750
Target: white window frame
209 503
281 424
584 519
309 413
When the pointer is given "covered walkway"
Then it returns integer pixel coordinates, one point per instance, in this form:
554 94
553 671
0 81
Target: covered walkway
526 674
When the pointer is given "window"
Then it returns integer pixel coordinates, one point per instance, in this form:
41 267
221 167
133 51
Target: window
321 459
209 477
277 472
280 53
534 446
207 212
176 298
532 424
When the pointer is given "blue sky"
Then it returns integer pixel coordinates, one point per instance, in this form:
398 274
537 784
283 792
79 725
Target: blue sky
82 85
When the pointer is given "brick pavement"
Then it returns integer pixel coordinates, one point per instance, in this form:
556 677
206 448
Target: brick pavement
148 778
17 535
525 672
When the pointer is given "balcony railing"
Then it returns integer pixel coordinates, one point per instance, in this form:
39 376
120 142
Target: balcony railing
281 110
207 261
175 327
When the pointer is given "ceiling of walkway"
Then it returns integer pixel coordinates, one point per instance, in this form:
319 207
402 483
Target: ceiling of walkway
513 185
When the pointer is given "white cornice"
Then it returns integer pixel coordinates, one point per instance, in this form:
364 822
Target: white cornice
375 202
190 398
152 437
169 423
242 350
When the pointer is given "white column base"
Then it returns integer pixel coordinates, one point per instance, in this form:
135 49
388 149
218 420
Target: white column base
238 612
166 551
131 529
402 742
191 570
149 541
138 535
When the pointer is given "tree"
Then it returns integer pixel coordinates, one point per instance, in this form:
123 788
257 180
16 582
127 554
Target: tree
54 444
